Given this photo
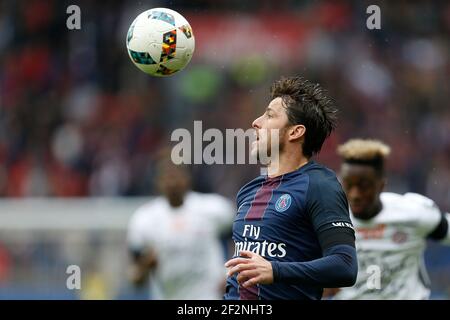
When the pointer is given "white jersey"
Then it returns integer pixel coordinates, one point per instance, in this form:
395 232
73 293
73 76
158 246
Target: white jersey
190 258
390 249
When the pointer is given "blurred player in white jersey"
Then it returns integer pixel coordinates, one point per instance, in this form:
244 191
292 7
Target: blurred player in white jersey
391 229
174 239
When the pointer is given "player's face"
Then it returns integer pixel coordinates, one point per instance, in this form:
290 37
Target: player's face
173 183
271 123
363 187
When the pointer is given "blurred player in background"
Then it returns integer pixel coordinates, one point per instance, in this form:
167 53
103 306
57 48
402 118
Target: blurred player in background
174 239
293 234
391 229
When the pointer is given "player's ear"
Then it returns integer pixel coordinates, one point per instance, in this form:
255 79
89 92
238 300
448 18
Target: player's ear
297 132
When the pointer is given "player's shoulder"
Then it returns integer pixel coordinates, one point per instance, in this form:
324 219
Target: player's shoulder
318 173
210 206
321 177
149 209
200 198
419 200
389 199
409 200
410 207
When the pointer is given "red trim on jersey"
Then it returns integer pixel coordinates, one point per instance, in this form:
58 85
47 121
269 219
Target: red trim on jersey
262 197
248 293
256 211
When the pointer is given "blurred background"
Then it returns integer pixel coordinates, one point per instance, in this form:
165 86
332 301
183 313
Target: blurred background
80 124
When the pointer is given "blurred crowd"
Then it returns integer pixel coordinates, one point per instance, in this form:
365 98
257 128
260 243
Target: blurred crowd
78 119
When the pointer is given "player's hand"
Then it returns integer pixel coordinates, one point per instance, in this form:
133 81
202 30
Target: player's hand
252 269
329 293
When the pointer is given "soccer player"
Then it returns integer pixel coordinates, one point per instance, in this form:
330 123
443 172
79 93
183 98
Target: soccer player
293 235
174 239
391 229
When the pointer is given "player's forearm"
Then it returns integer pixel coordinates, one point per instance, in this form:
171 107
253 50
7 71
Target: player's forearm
338 268
143 262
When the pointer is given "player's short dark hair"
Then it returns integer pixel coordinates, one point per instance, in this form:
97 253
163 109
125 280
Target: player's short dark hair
308 104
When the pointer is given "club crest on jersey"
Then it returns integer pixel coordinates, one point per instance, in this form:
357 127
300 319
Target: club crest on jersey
283 203
399 237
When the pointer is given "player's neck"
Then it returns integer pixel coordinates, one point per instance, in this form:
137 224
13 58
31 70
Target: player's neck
176 201
286 163
374 211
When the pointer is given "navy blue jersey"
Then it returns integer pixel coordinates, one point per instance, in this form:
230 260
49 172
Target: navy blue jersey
280 218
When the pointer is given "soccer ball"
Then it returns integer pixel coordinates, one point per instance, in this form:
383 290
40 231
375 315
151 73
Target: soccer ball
160 42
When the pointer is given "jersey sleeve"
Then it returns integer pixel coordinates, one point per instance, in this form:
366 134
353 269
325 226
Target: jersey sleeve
138 233
427 215
337 268
327 205
221 211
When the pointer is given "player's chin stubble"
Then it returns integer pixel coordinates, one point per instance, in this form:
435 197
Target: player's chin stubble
267 153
